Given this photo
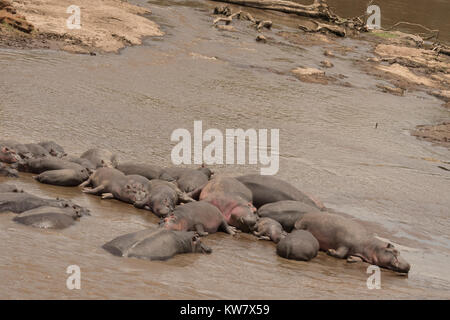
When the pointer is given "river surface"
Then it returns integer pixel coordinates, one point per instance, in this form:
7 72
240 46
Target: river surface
131 102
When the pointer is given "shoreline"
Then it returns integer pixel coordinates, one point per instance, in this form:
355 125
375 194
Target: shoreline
405 61
105 26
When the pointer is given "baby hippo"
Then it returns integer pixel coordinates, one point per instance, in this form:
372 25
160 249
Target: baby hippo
269 229
199 216
298 245
159 244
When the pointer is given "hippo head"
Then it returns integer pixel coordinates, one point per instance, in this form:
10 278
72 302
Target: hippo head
198 246
8 156
136 192
172 222
208 172
389 258
243 216
162 205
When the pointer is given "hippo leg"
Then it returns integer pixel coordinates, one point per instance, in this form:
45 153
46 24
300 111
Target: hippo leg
107 196
340 253
95 190
354 259
227 228
263 238
86 183
183 196
200 230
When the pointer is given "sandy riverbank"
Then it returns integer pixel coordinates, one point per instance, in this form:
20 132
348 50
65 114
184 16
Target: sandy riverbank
106 26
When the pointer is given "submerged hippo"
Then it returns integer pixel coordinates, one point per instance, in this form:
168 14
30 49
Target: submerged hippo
159 244
268 189
63 177
53 148
21 202
344 238
7 171
298 245
146 170
269 229
200 216
162 197
100 157
286 212
4 187
50 217
8 155
232 198
45 164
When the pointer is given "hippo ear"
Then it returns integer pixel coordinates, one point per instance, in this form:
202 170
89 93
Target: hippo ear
390 245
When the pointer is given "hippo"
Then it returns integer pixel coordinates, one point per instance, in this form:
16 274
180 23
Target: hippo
199 216
268 229
36 150
53 148
49 217
162 197
4 187
100 157
85 163
21 202
7 171
298 245
189 180
343 238
63 177
20 149
159 244
268 189
146 170
232 198
286 212
8 155
133 189
45 164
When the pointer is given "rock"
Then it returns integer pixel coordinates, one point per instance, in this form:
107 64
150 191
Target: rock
261 38
307 71
442 94
326 64
392 90
328 53
8 16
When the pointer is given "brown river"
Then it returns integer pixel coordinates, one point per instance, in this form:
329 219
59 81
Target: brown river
131 102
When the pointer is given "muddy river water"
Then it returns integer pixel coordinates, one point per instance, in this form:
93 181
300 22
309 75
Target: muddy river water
131 102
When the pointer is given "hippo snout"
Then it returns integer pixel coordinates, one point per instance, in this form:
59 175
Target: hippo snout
249 220
402 265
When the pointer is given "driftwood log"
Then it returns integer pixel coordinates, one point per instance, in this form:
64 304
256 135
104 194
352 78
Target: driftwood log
319 9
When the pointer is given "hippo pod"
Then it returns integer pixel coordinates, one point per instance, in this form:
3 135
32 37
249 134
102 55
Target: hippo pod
20 202
100 157
286 212
202 217
146 170
232 198
63 177
298 245
343 238
189 180
160 244
49 217
268 229
7 171
268 189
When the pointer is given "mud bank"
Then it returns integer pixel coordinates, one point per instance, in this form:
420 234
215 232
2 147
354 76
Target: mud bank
105 26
